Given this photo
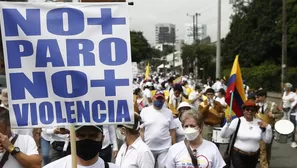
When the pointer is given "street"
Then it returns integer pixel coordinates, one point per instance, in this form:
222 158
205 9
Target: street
283 156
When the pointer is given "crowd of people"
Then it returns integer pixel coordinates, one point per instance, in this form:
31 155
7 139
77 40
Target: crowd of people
175 117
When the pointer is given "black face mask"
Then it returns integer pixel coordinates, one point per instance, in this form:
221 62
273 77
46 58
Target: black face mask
88 149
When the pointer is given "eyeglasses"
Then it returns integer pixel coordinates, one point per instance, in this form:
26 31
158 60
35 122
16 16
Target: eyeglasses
251 109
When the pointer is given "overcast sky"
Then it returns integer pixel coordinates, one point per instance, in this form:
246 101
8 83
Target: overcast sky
145 14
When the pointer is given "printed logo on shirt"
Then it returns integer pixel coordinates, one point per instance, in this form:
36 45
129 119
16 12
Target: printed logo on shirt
203 162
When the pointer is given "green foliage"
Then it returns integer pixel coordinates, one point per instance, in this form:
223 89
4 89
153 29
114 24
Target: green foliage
205 54
256 33
140 48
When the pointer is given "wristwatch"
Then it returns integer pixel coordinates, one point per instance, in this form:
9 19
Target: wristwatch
15 151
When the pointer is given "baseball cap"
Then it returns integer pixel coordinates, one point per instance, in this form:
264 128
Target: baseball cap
99 127
159 93
184 104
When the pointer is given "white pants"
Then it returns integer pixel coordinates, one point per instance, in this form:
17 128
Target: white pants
159 156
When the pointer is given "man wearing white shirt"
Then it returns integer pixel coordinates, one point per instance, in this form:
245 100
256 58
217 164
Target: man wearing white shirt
158 130
88 145
19 151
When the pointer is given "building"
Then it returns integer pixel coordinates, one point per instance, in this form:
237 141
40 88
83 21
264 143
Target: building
202 32
165 33
174 63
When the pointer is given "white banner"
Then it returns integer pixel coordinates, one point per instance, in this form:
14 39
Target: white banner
67 63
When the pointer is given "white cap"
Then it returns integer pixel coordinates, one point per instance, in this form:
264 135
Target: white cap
184 104
149 84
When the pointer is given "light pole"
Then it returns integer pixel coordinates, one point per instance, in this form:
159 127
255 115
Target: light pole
284 44
194 34
218 55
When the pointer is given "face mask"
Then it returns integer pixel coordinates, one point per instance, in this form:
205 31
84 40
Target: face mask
191 133
159 104
87 149
120 135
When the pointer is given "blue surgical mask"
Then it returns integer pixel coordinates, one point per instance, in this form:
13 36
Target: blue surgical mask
159 104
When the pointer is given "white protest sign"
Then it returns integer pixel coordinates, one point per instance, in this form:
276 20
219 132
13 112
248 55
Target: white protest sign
67 63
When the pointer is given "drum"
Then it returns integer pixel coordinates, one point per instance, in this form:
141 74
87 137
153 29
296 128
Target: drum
216 137
284 129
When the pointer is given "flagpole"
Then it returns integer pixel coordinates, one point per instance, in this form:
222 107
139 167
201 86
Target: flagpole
231 103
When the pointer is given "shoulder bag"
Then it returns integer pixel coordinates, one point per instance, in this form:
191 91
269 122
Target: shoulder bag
228 153
193 158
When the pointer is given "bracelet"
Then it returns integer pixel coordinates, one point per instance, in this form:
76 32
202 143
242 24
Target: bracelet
11 149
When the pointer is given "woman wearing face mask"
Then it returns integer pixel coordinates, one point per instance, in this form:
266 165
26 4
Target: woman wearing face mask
207 154
245 151
140 101
134 153
180 135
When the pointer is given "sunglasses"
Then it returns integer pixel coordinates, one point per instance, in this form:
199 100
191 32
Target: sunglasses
252 109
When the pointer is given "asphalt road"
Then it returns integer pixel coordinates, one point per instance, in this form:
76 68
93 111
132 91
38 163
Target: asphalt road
283 155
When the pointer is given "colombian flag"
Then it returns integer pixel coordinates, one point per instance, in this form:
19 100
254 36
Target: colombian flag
235 85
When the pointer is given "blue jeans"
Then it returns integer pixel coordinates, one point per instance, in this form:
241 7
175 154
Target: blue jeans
45 148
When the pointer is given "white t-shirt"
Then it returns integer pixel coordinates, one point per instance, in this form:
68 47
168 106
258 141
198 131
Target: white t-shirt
249 134
138 155
221 100
157 124
147 93
180 133
208 156
286 99
27 145
23 131
66 162
192 96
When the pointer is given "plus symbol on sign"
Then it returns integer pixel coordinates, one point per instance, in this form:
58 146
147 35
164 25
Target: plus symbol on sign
106 21
109 83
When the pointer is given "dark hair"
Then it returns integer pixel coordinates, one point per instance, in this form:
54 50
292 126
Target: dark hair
261 93
4 116
178 87
170 80
222 91
136 91
197 87
209 90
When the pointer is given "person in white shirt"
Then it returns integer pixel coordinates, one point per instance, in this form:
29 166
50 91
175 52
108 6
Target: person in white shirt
180 135
110 144
221 98
45 142
4 103
196 97
147 92
245 152
134 153
88 145
287 99
18 150
60 146
217 85
207 154
158 130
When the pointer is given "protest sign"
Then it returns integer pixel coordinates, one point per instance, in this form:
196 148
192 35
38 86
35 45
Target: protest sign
67 63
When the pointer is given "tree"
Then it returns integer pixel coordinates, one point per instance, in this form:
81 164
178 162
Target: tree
140 48
205 54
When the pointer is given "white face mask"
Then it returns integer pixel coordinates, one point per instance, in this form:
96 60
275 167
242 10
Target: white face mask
191 133
120 136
